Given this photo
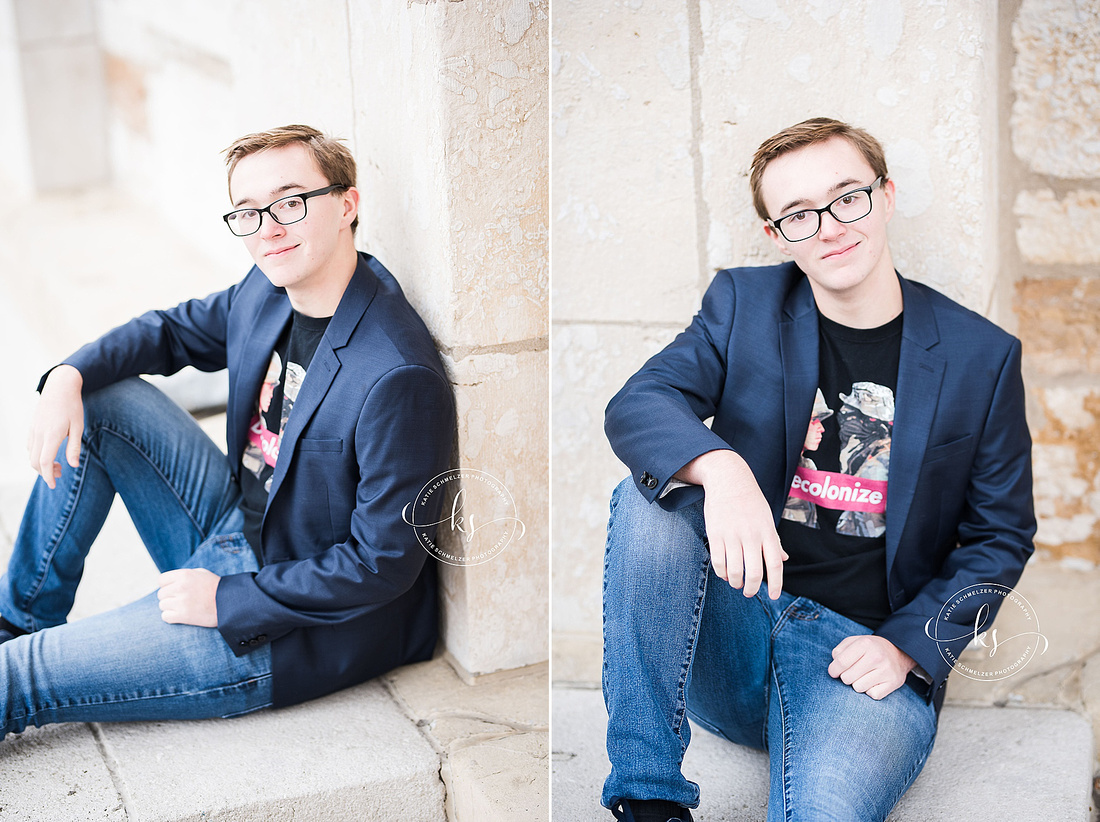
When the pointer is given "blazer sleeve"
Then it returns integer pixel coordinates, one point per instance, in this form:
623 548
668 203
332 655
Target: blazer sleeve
655 423
402 440
158 342
994 536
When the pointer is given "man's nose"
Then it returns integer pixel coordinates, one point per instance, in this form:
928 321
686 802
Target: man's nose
830 226
269 226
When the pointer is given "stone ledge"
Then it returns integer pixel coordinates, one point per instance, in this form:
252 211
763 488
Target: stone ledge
989 764
353 755
417 744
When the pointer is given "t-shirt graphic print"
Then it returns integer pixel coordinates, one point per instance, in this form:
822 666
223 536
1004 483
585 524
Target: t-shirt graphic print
262 450
865 419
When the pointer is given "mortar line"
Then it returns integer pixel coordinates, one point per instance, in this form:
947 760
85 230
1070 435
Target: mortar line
114 768
460 352
702 211
444 769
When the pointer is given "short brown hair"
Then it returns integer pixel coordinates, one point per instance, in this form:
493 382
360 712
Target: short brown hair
331 155
807 133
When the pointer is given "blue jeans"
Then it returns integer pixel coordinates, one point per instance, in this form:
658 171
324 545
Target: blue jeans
679 642
126 664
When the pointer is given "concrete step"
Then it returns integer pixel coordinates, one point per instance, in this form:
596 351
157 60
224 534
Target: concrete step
988 765
354 755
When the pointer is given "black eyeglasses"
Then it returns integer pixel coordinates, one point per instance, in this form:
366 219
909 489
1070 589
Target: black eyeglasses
246 221
847 208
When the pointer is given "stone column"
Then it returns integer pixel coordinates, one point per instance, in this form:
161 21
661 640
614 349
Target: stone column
450 104
52 94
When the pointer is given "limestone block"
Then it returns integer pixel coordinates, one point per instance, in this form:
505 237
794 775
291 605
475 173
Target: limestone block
502 779
1056 86
591 362
626 243
1058 231
1066 463
351 755
496 612
1057 324
493 736
450 118
492 79
57 773
909 73
432 690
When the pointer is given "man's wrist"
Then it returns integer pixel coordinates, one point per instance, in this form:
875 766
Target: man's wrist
714 466
65 375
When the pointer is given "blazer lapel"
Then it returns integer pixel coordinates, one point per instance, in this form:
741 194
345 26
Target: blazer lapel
920 375
325 364
798 338
244 391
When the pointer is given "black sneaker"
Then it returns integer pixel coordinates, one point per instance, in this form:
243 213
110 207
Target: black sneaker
650 810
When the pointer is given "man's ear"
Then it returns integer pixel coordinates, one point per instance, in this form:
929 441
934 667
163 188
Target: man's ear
888 195
351 205
777 238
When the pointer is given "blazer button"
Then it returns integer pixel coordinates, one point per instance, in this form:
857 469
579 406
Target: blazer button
243 643
648 480
262 637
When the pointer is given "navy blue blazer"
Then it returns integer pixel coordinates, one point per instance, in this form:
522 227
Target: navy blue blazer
959 507
345 591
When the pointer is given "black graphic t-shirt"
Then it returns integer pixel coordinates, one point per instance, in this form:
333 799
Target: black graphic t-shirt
834 523
285 373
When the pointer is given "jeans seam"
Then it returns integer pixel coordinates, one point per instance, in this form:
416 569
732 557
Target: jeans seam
685 668
42 570
788 809
25 718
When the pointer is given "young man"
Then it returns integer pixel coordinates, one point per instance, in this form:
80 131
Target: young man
835 671
288 572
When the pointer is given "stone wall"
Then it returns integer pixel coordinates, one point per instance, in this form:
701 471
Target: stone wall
1051 254
657 108
444 105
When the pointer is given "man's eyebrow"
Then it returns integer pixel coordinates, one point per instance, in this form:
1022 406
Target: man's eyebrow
836 189
274 194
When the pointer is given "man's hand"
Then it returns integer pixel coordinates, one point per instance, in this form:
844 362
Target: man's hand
739 522
870 664
60 414
189 597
